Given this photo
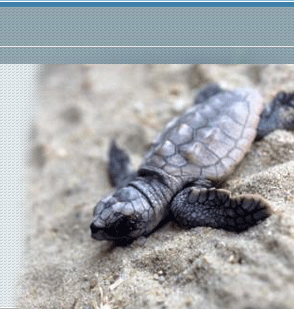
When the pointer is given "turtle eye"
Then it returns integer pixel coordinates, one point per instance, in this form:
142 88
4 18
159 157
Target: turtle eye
122 227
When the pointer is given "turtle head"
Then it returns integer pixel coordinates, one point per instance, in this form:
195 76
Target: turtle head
121 216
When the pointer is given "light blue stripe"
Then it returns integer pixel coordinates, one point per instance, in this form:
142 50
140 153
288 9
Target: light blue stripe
146 1
146 4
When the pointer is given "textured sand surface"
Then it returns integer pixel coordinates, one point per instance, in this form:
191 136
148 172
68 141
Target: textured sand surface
82 108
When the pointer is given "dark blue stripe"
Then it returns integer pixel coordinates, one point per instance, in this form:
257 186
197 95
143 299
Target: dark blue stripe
146 4
146 55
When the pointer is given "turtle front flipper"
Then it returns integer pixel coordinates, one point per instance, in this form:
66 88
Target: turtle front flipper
279 114
216 208
119 167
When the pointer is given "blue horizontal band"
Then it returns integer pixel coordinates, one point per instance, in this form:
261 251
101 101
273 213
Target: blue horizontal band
146 4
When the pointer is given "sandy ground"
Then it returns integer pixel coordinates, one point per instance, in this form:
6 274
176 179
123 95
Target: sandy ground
82 108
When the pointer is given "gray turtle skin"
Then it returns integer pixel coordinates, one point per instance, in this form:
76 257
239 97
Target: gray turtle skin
182 171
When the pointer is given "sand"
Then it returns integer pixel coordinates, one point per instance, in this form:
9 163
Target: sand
81 109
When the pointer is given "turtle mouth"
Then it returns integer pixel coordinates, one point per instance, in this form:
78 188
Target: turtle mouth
100 234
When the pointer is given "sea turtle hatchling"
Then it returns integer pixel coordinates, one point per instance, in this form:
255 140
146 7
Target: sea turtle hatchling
185 166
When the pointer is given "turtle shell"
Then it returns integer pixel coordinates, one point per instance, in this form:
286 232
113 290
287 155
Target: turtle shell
210 139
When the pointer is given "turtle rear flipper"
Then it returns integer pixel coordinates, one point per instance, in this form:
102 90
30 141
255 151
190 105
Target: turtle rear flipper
216 208
207 92
119 168
279 114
